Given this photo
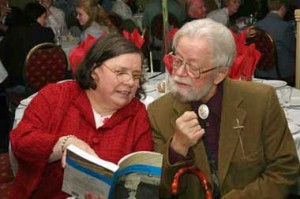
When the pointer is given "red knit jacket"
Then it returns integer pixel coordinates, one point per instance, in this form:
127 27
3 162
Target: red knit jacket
63 109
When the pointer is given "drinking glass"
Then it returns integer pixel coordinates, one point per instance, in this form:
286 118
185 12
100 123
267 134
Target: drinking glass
58 36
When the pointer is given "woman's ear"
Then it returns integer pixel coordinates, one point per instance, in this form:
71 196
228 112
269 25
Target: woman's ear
94 75
221 74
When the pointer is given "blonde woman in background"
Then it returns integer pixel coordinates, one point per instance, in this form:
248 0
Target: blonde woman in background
92 18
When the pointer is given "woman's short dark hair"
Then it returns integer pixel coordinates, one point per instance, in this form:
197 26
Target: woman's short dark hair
106 47
32 11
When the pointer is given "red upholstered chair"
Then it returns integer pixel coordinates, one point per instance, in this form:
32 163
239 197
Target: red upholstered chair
266 46
45 63
6 176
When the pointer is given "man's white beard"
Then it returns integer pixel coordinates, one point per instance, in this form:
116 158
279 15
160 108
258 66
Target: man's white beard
190 94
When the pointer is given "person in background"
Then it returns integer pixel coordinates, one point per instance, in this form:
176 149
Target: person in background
195 9
234 131
105 120
121 8
222 15
55 17
283 34
89 19
18 41
4 12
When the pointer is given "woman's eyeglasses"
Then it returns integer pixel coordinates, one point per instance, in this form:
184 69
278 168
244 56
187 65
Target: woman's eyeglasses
124 75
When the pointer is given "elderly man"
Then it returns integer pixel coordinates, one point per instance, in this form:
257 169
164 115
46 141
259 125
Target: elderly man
234 131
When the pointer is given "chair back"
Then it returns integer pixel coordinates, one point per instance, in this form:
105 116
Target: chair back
265 44
45 63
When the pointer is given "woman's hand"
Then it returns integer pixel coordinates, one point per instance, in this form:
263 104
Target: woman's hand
59 149
78 143
93 196
251 32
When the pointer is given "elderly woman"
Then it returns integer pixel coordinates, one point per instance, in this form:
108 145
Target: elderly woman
98 112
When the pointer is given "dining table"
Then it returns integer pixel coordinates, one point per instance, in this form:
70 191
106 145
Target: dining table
68 45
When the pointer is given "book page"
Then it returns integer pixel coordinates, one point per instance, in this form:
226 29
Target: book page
142 157
139 176
85 173
86 157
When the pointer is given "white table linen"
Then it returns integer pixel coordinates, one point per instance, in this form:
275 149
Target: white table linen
3 72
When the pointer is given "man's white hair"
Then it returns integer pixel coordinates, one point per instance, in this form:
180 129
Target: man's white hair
218 36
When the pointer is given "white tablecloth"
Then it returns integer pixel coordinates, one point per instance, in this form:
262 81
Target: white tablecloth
3 72
67 46
150 87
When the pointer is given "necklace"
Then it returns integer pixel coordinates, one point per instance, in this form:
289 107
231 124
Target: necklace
203 111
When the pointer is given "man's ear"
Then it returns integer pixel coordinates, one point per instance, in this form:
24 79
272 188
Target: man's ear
221 74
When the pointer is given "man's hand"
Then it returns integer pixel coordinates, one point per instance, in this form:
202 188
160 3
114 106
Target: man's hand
187 132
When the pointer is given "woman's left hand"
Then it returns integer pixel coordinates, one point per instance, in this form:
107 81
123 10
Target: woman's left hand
78 143
93 196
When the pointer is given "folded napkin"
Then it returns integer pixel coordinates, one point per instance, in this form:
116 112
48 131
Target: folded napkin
168 63
172 32
245 62
135 37
293 116
77 54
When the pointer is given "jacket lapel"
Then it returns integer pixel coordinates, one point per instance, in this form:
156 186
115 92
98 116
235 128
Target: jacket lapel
232 121
201 160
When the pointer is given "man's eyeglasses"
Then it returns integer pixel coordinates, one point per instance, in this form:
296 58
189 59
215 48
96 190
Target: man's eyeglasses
124 75
192 71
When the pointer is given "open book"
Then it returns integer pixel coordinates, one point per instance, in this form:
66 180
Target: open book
137 175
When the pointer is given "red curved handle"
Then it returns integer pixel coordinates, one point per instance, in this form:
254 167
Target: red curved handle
192 169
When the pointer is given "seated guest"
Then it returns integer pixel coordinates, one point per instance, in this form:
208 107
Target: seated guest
222 15
55 17
234 131
89 19
195 9
18 41
4 12
105 120
9 16
282 32
121 8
